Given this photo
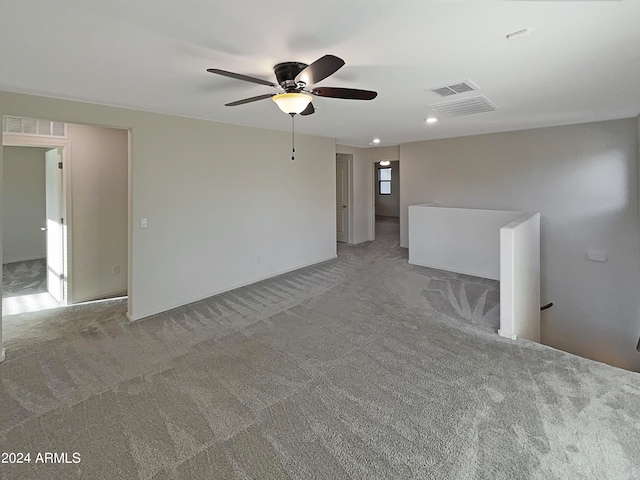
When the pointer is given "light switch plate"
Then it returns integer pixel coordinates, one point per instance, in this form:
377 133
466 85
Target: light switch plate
143 223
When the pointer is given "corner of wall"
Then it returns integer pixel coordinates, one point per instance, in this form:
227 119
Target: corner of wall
638 128
1 193
638 144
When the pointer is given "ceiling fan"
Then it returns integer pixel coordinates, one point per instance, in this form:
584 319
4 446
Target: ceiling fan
295 81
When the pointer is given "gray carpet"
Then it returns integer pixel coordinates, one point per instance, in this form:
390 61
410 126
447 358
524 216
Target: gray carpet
24 287
24 278
362 367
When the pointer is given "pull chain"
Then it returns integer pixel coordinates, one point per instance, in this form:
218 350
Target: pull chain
293 141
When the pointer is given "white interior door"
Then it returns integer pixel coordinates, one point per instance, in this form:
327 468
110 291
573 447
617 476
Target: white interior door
54 212
342 200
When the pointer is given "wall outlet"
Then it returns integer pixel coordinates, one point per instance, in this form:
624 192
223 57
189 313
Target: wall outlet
115 270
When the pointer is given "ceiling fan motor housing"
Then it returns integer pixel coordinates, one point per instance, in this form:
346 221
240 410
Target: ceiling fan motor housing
286 73
296 79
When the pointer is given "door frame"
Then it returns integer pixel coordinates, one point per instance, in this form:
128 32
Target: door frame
18 140
54 185
348 158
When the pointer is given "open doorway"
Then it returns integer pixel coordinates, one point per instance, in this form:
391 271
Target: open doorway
33 276
64 236
387 189
344 205
386 193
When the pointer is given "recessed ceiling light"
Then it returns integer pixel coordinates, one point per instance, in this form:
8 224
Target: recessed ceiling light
432 120
376 141
519 34
385 163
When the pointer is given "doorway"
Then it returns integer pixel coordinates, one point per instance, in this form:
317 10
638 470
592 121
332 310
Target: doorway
344 165
387 189
79 252
386 201
34 243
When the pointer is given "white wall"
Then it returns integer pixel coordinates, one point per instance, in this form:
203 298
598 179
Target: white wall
99 174
388 205
2 353
23 204
520 278
225 204
363 183
583 179
461 240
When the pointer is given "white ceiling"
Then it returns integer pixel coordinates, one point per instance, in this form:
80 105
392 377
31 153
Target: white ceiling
580 64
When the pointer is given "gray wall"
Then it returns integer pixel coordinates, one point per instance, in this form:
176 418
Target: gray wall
23 204
583 179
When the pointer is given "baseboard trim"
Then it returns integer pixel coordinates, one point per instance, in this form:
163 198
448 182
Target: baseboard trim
20 260
507 335
104 296
182 304
447 269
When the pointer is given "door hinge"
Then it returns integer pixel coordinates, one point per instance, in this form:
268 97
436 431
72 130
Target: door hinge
62 221
60 165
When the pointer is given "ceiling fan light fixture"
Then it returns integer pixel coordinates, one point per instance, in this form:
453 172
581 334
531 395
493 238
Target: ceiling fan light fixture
292 103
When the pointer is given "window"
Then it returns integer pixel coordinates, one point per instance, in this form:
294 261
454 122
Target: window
384 181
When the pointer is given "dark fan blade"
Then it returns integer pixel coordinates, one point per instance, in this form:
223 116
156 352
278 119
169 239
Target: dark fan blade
309 110
249 100
320 69
238 76
348 93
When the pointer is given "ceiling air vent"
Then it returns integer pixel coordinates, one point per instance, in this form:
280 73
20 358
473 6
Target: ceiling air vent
44 127
465 106
455 88
58 129
29 126
33 126
12 124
